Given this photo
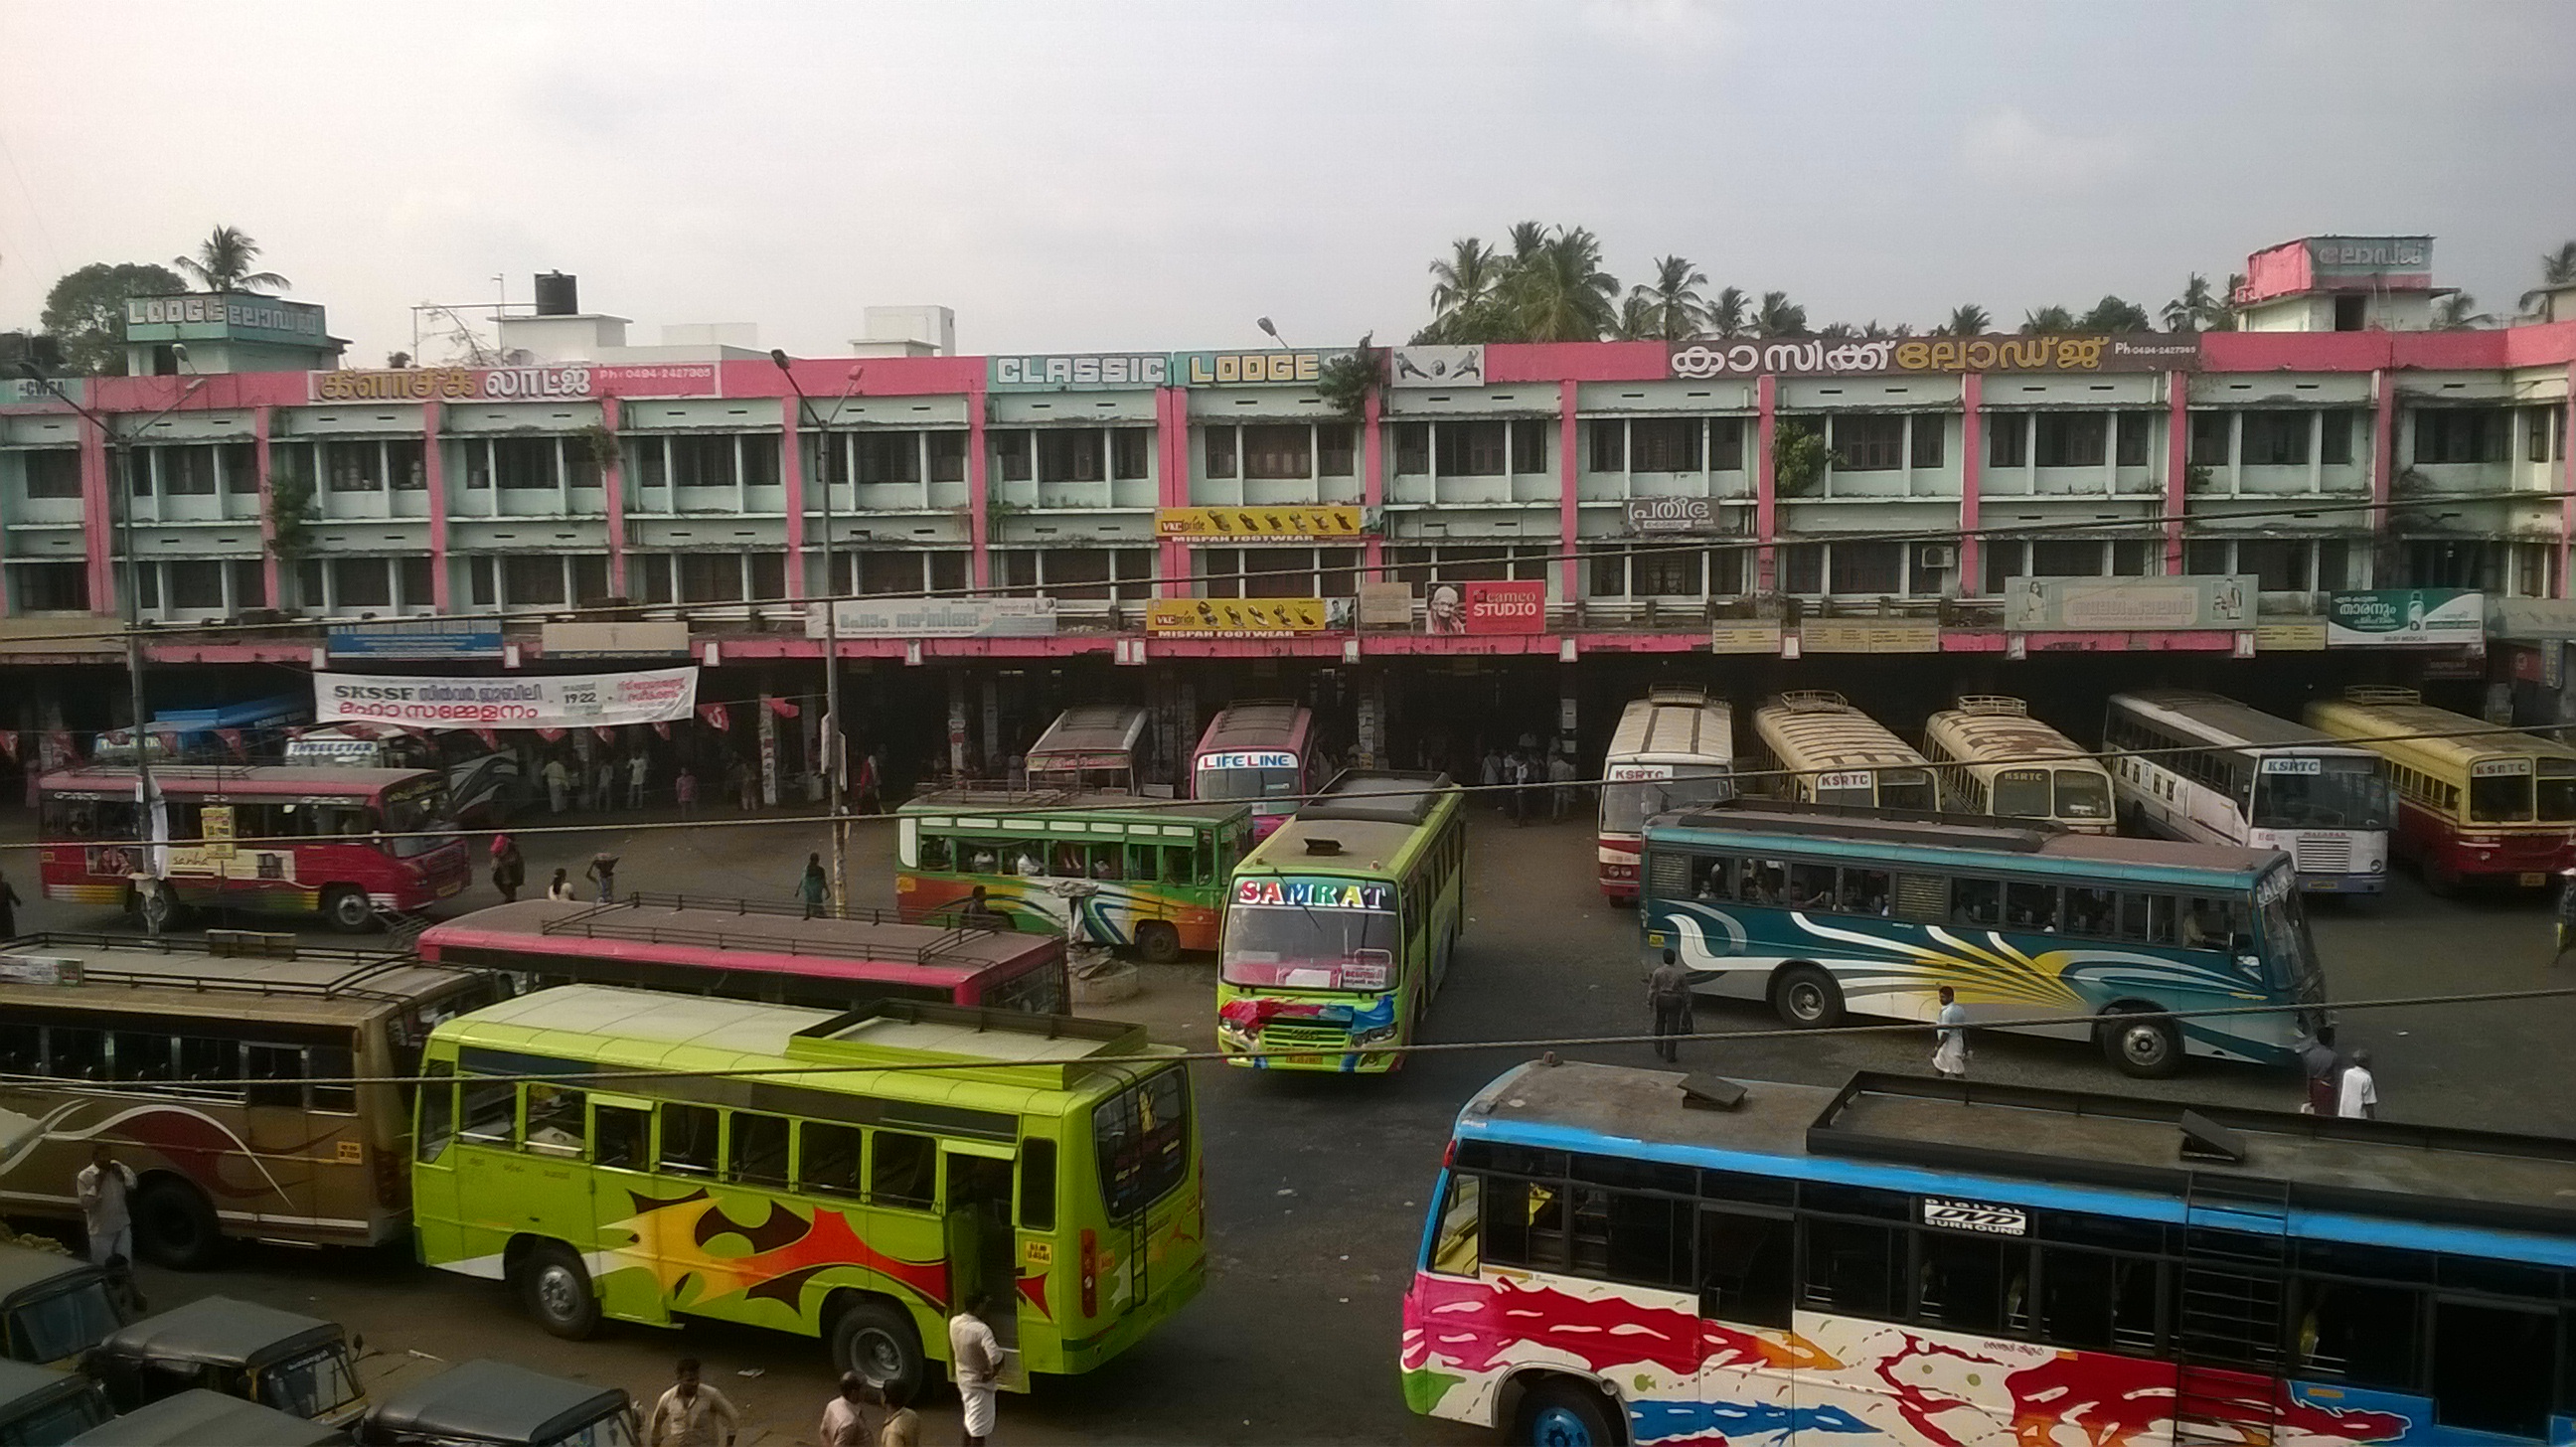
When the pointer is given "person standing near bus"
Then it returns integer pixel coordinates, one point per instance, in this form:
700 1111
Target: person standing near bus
1668 995
558 784
977 1356
1950 1050
603 871
814 886
2357 1097
2566 914
639 768
2323 1066
687 1414
509 868
103 1186
850 1419
902 1424
9 902
561 888
1560 784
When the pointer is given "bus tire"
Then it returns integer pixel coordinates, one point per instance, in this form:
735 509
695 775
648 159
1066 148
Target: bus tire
156 909
1807 998
555 1288
347 909
2143 1045
1157 943
1560 1413
876 1339
175 1226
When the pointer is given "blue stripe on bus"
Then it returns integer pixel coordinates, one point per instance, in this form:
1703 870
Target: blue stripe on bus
1984 861
2323 1225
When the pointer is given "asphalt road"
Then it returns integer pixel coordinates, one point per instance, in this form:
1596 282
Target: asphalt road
1316 1185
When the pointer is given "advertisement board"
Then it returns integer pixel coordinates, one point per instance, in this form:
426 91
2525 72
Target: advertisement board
1870 635
1240 617
416 638
1671 515
2412 617
1487 607
563 701
1255 524
2129 605
1904 356
935 618
1386 605
513 384
1744 638
613 640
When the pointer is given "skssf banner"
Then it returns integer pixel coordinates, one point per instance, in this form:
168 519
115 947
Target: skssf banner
565 701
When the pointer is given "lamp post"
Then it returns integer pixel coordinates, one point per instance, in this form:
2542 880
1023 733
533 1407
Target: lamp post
832 749
121 447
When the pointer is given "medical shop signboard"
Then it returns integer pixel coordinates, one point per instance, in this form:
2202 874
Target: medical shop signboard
2410 617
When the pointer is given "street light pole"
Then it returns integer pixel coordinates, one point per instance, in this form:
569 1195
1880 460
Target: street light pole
832 749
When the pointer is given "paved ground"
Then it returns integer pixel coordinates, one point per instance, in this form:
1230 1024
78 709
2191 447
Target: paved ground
1316 1185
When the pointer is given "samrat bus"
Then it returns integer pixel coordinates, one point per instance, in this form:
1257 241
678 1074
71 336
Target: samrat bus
1821 749
1991 757
1674 749
1342 926
1817 910
2475 803
1139 874
1262 753
344 843
2197 766
1619 1255
748 951
736 1161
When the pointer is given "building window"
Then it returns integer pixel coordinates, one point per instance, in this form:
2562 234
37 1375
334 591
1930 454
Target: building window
887 456
2547 434
1928 430
589 578
2134 557
948 456
2007 439
1609 446
197 585
1009 450
581 465
760 459
1015 570
1605 572
2279 565
2207 558
710 578
50 587
1130 449
1220 445
2065 558
2334 439
1867 442
768 576
2006 559
2461 434
1336 450
53 472
2277 439
365 582
1412 448
1529 446
1279 452
530 461
1665 444
249 581
1802 568
702 460
2334 565
1075 572
1726 444
881 571
1068 454
531 579
948 571
1673 573
1279 573
188 471
1471 449
2072 439
1867 568
2210 438
418 591
352 466
2134 429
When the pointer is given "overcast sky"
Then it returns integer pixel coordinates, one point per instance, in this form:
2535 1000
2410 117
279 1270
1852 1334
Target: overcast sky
1097 177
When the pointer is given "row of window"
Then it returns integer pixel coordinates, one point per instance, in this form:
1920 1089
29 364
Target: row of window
2192 921
205 1063
1040 858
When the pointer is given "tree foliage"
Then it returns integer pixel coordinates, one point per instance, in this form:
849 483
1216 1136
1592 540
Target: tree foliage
2111 314
1675 311
1777 316
1966 321
2047 321
2200 308
223 263
1550 288
86 311
2557 269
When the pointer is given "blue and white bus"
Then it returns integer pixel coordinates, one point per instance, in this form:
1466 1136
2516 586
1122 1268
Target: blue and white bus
1818 910
1620 1255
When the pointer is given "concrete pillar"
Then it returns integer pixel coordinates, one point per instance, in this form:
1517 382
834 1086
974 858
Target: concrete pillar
1972 477
957 722
433 469
262 419
1373 479
1569 513
98 506
978 534
791 477
2177 465
1766 493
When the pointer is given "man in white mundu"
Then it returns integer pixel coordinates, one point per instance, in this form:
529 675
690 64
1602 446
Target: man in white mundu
977 1357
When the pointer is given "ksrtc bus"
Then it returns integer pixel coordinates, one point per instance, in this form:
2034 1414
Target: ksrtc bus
1132 873
1991 757
1095 748
1821 749
1261 753
1674 749
2475 803
2196 766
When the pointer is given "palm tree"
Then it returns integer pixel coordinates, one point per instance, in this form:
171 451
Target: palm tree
1778 316
1527 238
2199 309
1839 331
2459 310
1466 280
2111 314
1726 314
2557 269
1967 321
1679 313
2046 320
1637 318
1559 293
223 261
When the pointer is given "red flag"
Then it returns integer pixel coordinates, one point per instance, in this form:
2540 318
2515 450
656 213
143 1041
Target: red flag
551 735
491 737
606 734
781 707
233 740
714 714
662 729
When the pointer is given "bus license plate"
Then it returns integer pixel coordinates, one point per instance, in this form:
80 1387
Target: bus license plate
2533 880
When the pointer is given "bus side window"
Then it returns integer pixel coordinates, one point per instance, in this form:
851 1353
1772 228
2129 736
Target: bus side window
22 1049
437 1115
275 1074
2094 1301
2209 924
554 1119
902 1170
1976 902
1206 860
1069 862
74 1053
1631 1237
210 1066
688 1139
935 851
1851 1267
2090 911
1140 862
1524 1223
828 1158
1744 1276
756 1148
1865 891
333 1062
1455 1252
1759 881
1037 1185
1968 1282
621 1137
139 1056
491 1112
1811 886
1105 863
2031 906
1176 864
2147 918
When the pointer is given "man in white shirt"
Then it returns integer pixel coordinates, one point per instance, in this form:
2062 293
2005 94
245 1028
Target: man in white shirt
2358 1098
1950 1048
976 1357
103 1186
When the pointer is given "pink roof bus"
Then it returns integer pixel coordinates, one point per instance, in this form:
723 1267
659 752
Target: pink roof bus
745 950
1260 752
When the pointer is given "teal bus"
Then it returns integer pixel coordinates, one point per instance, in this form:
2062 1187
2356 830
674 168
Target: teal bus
1818 910
1340 927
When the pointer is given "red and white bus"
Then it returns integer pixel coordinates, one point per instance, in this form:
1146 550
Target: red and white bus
1261 753
2474 802
749 951
344 843
1674 749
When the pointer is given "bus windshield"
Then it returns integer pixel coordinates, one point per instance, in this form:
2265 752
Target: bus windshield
2022 794
2338 794
2557 793
1627 802
2499 798
1268 783
2290 958
1302 947
1905 789
412 809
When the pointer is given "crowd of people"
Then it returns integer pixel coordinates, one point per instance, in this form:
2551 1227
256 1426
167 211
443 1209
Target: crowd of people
862 1413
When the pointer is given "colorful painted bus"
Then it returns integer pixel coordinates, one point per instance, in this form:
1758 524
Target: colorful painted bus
2197 766
744 950
278 840
1620 1255
222 1077
2475 803
1133 873
1821 749
1342 926
1818 910
1992 758
1262 753
1096 748
1674 749
1047 1160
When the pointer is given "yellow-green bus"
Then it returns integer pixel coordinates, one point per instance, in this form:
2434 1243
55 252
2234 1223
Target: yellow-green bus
1341 926
1040 1162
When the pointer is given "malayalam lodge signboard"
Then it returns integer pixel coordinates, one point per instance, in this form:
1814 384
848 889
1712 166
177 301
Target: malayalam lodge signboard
2078 354
513 384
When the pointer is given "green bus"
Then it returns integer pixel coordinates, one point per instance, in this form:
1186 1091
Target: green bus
1135 873
766 1181
1341 926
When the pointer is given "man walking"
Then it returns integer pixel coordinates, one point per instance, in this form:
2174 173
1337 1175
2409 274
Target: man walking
1950 1048
2357 1096
9 902
509 868
1668 995
1489 775
852 1419
603 870
814 886
639 768
2323 1068
1560 779
977 1358
688 1413
2566 914
103 1187
558 784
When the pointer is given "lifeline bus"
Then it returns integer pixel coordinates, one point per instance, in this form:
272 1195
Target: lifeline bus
1828 752
2197 766
1128 872
304 840
1095 747
1342 926
2484 805
1674 749
748 951
1991 757
769 1183
1817 910
222 1079
1262 752
1631 1255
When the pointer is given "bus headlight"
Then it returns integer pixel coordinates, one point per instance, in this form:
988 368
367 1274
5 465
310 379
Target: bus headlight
1377 1035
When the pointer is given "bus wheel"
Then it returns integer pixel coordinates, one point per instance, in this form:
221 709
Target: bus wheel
2145 1046
347 910
876 1340
556 1290
1808 998
157 909
1158 943
175 1227
1561 1414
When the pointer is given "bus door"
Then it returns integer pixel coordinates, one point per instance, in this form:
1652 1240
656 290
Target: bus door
617 1185
982 1252
279 1131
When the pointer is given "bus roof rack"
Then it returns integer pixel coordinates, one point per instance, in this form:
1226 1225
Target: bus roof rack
359 967
697 921
1680 693
1379 796
1012 1042
1862 821
1810 699
2381 693
1992 703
